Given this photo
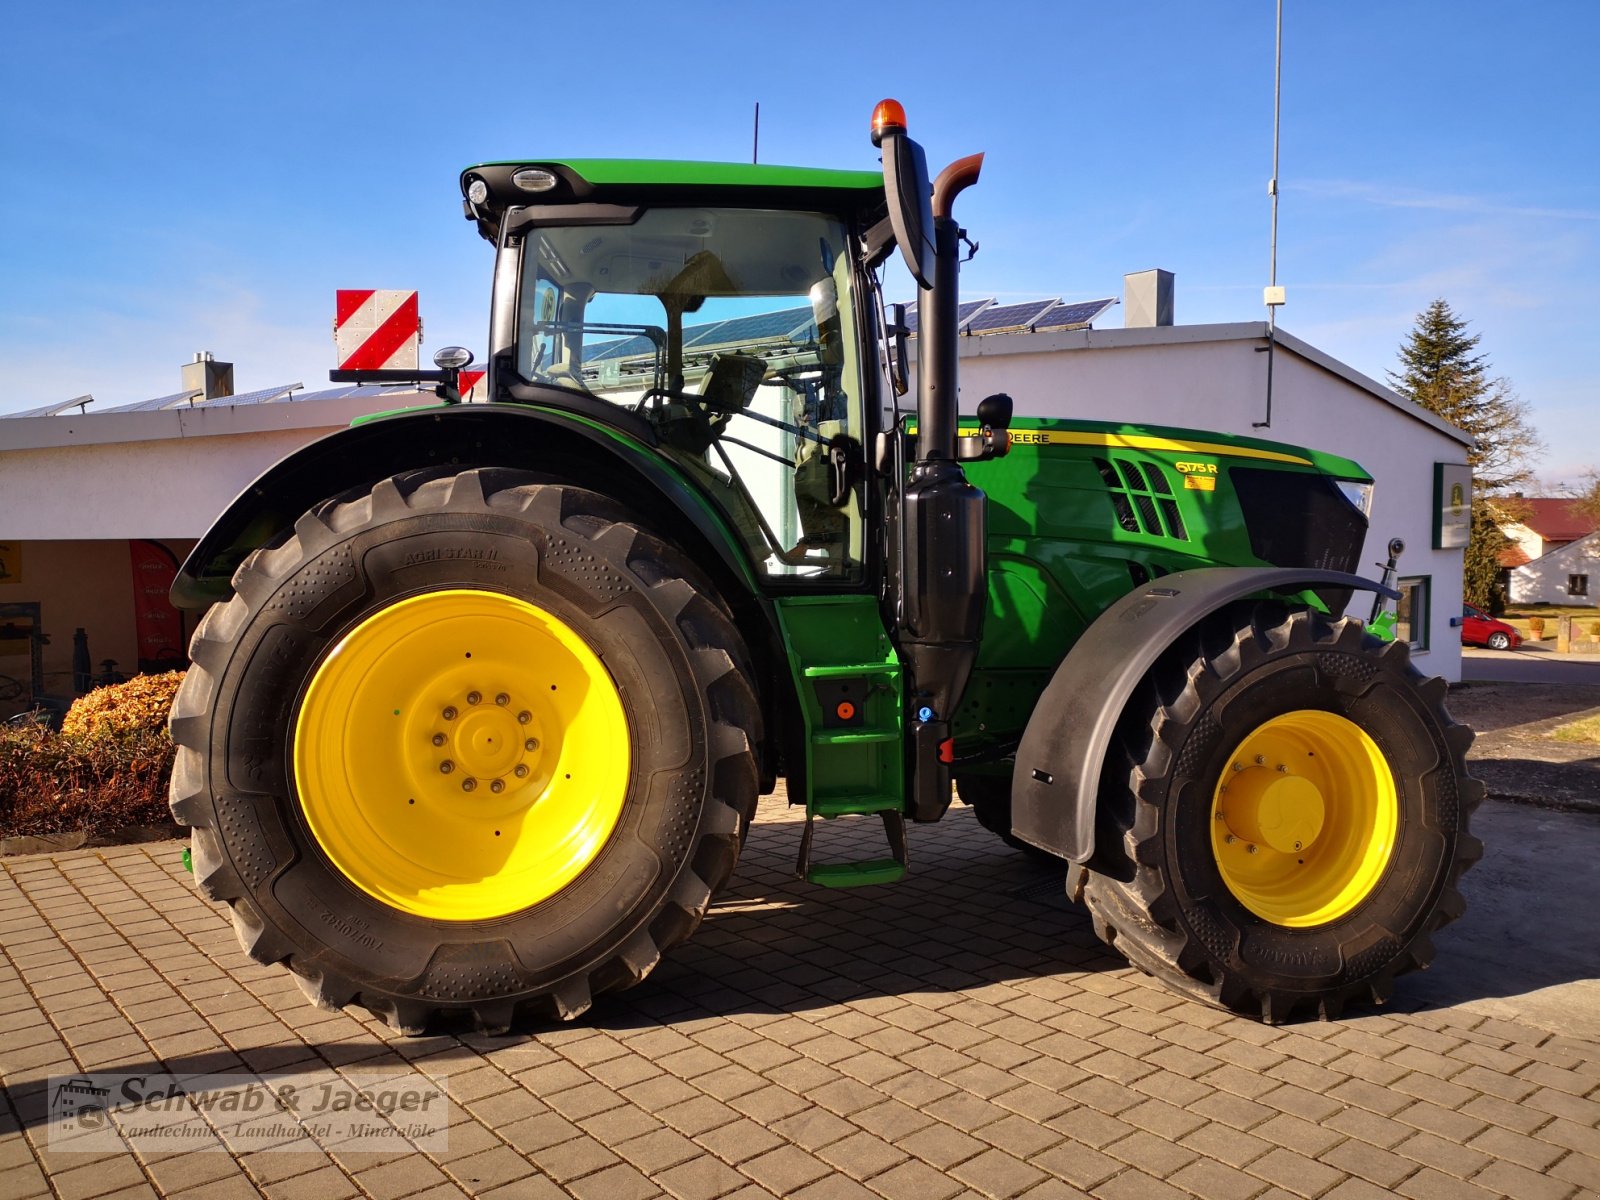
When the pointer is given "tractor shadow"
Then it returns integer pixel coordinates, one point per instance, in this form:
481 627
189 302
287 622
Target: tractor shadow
971 912
974 912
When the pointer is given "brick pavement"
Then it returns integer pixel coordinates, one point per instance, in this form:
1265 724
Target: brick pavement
961 1034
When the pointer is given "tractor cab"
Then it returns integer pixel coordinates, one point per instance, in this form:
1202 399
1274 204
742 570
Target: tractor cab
729 335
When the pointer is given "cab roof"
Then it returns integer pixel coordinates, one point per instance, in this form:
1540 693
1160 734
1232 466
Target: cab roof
643 181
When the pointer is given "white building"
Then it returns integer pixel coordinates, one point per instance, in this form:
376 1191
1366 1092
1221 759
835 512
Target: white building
1569 575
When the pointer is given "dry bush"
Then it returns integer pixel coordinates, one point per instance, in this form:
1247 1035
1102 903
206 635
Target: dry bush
107 769
140 705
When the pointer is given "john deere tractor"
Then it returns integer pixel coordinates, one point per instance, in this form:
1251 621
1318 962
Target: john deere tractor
487 692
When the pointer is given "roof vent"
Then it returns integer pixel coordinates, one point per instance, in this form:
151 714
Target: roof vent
1147 299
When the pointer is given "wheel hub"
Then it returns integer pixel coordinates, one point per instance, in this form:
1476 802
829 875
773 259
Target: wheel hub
1267 806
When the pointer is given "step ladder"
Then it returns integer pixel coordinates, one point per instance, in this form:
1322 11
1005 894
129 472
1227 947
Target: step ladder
849 682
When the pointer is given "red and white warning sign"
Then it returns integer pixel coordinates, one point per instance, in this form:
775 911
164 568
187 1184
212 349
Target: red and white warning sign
374 330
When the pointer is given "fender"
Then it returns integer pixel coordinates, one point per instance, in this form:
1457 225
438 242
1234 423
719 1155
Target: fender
1056 784
561 445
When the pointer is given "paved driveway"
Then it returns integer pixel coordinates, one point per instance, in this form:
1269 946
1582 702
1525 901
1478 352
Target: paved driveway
1532 662
960 1034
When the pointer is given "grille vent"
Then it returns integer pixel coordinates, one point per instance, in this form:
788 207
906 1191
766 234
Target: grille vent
1142 497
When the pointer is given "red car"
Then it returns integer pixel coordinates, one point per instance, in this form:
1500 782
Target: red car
1480 629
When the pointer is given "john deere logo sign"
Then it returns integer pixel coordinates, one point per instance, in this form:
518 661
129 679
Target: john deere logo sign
1452 505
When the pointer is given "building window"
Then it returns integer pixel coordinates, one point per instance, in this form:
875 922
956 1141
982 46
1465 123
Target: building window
1411 612
1577 585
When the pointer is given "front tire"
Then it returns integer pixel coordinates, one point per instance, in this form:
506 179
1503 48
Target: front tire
466 744
1499 641
1284 816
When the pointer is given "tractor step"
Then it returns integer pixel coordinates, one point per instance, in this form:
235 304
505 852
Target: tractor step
844 806
855 739
852 670
865 871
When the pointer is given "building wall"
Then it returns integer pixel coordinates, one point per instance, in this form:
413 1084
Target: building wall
1545 580
1221 385
82 583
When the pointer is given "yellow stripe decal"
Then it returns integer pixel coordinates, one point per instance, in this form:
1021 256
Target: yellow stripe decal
1122 441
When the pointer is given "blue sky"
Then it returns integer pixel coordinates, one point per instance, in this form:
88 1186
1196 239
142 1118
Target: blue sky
188 176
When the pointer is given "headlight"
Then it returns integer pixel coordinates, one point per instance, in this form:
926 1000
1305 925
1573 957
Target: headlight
1359 494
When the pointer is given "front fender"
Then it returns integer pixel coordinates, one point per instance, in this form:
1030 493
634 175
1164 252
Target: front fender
1056 785
564 446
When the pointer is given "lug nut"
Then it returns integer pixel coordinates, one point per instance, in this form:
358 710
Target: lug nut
1261 760
524 717
521 771
1282 770
1251 849
1238 766
1230 839
446 767
438 739
468 784
1297 845
497 786
474 697
502 699
449 714
531 744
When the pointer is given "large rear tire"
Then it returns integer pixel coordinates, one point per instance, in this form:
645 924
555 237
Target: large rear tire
466 744
1284 816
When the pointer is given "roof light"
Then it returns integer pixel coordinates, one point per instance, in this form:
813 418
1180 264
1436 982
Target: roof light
889 114
450 358
534 179
477 191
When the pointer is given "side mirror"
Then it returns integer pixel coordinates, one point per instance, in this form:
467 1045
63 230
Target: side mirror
908 190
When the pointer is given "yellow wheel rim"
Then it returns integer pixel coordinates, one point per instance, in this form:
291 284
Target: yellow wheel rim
1303 820
461 755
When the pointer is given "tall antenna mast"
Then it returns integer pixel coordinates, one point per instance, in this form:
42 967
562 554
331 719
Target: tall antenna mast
1273 296
755 141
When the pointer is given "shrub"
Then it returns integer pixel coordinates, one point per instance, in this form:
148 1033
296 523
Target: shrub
107 768
140 705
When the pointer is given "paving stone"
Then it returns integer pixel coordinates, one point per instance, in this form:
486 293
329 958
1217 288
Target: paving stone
997 1174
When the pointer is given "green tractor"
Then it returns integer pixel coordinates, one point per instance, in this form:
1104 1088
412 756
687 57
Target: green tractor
479 715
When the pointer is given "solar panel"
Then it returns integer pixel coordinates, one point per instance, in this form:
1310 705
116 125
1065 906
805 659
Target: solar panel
1067 316
965 311
788 322
351 391
155 405
1009 316
53 410
618 348
263 396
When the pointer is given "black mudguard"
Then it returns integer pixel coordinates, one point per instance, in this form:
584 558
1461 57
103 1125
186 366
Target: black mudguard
1056 784
618 462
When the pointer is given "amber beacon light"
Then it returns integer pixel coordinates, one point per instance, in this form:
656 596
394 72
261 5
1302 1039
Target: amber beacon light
890 114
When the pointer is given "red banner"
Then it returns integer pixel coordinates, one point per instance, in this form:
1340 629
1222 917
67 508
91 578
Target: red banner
158 625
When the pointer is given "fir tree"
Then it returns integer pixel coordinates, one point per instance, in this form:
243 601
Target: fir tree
1441 369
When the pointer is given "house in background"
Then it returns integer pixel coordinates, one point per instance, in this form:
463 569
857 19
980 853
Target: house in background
1554 551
